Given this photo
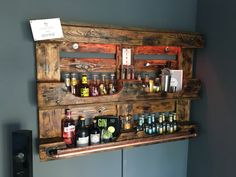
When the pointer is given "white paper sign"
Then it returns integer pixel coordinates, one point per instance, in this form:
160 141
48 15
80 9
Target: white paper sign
44 29
126 56
176 79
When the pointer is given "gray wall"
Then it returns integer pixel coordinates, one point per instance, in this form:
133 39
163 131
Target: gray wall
18 86
213 153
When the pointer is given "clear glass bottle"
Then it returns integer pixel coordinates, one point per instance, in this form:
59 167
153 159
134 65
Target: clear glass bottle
146 83
84 88
145 124
140 125
142 118
157 86
132 72
160 132
112 84
164 122
127 122
102 86
68 129
175 124
94 86
139 77
151 85
149 129
122 72
170 127
67 81
74 84
82 135
95 134
154 128
128 73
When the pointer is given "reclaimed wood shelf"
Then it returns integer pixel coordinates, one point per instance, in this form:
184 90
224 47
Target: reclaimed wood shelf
55 94
57 150
52 62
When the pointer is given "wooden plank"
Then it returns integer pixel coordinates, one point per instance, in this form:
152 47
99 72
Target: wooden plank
154 65
50 123
118 61
55 94
183 110
47 59
124 109
168 50
88 47
88 65
185 63
90 111
153 106
91 34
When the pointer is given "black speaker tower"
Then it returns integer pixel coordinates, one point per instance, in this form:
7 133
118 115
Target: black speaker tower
22 153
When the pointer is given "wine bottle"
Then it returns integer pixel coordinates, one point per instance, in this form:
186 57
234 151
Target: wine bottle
82 135
95 133
68 129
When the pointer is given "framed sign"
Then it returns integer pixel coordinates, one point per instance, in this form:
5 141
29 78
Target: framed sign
45 29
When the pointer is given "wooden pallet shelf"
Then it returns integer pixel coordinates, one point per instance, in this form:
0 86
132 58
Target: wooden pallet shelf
53 98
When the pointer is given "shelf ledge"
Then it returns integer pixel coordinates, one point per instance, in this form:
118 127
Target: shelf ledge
186 132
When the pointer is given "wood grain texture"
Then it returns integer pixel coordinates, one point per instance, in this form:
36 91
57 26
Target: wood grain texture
53 98
47 59
50 123
153 106
167 50
88 65
88 47
87 34
155 65
55 94
185 63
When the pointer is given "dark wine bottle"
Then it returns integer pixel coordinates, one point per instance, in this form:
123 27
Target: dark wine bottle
95 133
82 135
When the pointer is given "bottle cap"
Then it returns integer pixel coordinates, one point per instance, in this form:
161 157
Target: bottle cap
82 118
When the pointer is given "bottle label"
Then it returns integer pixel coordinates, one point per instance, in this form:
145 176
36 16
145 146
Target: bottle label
68 134
84 80
69 129
84 91
102 122
95 138
82 141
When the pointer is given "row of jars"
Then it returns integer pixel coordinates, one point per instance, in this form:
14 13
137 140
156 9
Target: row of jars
158 123
103 85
